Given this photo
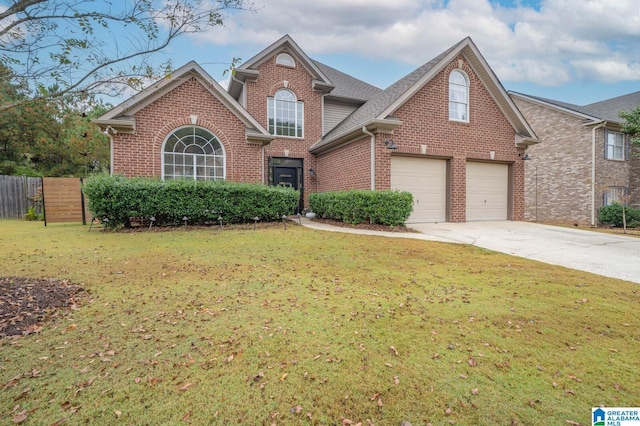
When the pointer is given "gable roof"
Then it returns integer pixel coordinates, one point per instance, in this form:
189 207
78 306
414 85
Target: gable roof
596 112
248 70
379 109
122 117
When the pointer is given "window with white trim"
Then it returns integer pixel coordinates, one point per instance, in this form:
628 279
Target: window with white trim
286 60
616 147
193 153
458 96
614 195
285 114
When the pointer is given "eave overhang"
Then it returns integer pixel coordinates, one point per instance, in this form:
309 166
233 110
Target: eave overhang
261 139
523 141
117 125
387 125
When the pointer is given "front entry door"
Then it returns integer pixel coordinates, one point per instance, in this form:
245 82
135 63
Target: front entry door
284 171
286 176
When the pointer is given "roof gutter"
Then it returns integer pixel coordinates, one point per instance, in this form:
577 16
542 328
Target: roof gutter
373 125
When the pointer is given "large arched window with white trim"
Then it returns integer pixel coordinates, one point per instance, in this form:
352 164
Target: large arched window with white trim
285 114
193 153
458 96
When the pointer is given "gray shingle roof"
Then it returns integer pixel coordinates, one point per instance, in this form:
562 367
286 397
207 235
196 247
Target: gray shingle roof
347 86
604 110
383 99
609 109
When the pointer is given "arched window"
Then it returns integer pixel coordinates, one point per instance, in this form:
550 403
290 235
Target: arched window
458 96
193 153
285 114
286 60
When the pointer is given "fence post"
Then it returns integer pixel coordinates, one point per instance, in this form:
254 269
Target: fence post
44 209
25 193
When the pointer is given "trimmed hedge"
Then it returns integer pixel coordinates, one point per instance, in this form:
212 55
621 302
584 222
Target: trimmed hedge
390 208
119 199
612 215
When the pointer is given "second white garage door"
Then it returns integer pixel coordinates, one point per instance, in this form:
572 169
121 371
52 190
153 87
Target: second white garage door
487 191
426 180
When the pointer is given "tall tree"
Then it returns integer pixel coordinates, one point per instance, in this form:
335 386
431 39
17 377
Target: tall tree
631 124
87 47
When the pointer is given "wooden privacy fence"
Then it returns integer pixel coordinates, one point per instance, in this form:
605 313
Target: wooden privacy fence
63 200
18 194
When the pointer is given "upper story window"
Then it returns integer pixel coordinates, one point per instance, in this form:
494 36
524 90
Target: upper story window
286 60
616 146
193 153
458 96
285 114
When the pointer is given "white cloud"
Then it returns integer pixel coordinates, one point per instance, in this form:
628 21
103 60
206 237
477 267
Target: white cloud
555 43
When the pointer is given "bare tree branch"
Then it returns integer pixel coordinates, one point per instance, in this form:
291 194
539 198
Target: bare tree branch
62 47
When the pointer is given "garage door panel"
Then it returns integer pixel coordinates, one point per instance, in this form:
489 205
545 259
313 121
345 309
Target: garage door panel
487 191
426 180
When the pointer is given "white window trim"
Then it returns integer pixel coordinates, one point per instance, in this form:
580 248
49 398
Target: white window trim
467 84
607 145
297 117
224 153
285 60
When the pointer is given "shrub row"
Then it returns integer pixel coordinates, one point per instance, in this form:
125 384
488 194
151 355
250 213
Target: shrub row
612 215
359 206
119 199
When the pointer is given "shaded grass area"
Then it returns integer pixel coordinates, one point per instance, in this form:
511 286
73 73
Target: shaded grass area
299 326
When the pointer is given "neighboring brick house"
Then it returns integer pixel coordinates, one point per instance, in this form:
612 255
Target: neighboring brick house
584 163
448 132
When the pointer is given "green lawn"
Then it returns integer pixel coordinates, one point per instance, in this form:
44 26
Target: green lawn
297 326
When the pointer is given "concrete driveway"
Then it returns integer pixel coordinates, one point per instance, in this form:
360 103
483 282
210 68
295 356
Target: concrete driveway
609 255
603 254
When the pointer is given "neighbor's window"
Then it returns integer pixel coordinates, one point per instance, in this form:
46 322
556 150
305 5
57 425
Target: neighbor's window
285 114
616 146
286 60
193 153
614 195
458 96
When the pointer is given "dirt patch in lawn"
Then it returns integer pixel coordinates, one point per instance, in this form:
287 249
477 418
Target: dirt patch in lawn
25 303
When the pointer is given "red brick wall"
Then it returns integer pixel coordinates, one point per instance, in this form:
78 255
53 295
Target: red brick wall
298 80
140 153
425 119
345 168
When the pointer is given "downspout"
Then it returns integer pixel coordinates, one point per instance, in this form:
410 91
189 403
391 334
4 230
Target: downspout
106 132
373 156
593 170
263 179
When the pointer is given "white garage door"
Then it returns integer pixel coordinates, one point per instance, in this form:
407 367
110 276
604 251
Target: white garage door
426 179
487 191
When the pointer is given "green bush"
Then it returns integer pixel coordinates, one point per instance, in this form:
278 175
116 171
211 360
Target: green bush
612 215
390 208
32 215
119 199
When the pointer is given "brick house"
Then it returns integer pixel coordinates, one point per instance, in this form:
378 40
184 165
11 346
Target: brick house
448 132
584 163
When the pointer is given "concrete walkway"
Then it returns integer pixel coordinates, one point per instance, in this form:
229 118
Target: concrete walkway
608 255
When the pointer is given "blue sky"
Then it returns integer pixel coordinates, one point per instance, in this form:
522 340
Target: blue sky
577 51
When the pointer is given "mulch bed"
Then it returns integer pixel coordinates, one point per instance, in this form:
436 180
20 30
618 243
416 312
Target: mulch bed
368 226
25 303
